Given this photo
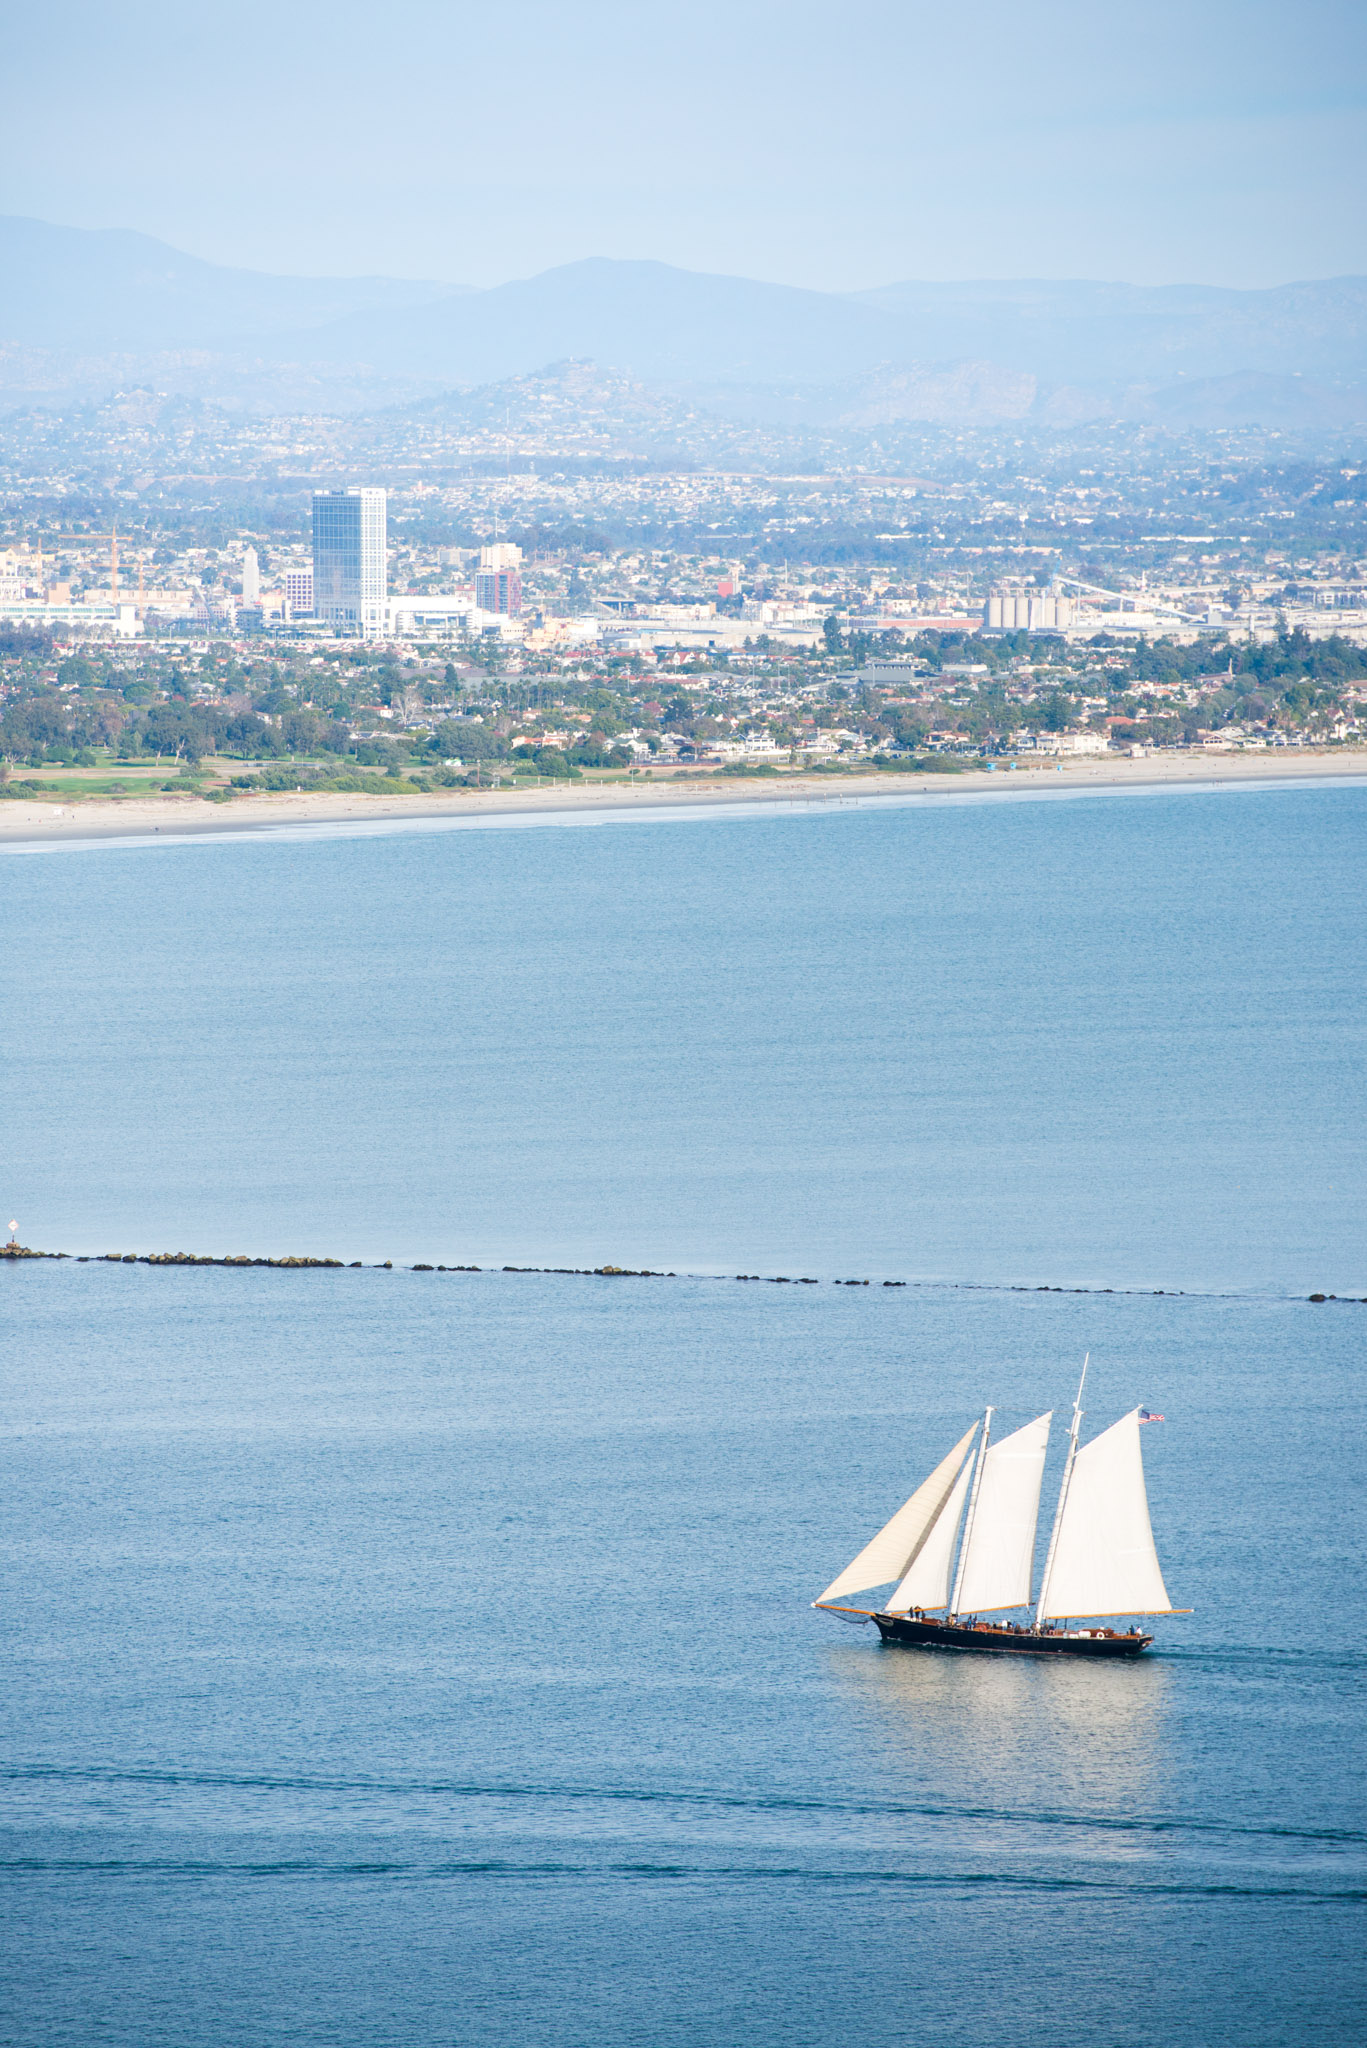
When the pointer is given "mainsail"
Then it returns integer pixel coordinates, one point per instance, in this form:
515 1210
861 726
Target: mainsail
1104 1559
927 1582
999 1549
895 1547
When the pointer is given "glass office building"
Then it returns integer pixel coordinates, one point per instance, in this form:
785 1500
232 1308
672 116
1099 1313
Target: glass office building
350 581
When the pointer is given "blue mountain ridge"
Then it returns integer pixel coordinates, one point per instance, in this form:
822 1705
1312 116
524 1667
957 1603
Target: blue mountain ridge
90 306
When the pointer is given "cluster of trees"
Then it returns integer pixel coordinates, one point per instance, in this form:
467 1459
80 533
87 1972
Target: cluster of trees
1296 655
193 730
48 726
45 726
21 641
471 740
1288 682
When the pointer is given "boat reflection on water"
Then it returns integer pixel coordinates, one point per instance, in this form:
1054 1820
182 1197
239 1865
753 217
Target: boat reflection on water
1018 1739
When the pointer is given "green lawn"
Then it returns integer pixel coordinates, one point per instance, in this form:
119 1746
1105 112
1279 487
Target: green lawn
145 777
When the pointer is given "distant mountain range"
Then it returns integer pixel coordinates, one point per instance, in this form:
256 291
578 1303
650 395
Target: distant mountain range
87 311
107 291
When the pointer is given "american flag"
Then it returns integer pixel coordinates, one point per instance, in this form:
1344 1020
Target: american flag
1147 1415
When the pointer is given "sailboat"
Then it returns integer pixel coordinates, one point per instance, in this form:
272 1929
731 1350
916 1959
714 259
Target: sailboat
1101 1563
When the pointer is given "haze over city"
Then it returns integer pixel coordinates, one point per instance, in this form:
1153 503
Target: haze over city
1222 144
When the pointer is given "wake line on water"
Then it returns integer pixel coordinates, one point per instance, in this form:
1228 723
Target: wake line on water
457 1789
201 1870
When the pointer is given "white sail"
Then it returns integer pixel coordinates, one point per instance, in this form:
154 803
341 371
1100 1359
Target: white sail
1104 1561
927 1582
996 1569
895 1546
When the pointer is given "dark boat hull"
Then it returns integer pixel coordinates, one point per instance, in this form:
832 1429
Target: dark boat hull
990 1637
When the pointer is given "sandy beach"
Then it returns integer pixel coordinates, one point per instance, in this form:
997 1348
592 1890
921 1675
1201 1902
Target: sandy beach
36 821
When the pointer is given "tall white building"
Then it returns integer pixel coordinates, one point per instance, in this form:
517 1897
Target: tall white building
500 554
350 575
251 576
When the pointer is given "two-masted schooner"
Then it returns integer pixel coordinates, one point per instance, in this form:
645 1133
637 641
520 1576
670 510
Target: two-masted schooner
1101 1561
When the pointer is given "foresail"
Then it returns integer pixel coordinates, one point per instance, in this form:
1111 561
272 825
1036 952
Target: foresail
926 1584
896 1545
1105 1561
997 1569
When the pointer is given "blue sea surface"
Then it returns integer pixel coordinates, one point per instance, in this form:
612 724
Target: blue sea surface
1111 1041
427 1658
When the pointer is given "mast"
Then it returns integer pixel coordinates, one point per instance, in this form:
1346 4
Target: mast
972 1509
1063 1490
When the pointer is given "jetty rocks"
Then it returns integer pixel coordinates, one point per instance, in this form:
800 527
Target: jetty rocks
200 1259
604 1272
22 1251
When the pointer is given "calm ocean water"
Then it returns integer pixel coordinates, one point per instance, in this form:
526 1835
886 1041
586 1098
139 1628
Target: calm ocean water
1105 1040
426 1658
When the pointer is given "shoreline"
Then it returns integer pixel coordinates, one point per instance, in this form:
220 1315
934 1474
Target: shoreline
35 822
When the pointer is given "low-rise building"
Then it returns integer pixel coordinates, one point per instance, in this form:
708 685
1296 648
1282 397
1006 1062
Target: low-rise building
1074 743
1061 742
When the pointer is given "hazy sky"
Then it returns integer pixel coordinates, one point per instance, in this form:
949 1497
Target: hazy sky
1219 141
